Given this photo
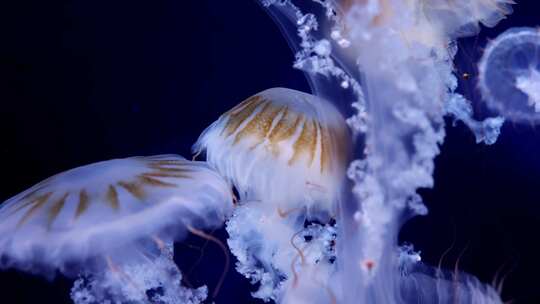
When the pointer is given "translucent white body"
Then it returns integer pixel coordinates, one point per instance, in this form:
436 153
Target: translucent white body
152 277
282 254
284 147
510 75
107 208
395 58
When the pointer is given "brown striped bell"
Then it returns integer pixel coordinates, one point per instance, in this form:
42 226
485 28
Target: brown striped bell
283 146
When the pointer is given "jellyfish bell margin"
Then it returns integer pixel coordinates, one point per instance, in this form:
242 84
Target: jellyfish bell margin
113 223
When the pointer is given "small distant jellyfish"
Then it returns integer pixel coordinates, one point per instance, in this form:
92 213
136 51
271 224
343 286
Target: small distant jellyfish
510 75
283 147
113 223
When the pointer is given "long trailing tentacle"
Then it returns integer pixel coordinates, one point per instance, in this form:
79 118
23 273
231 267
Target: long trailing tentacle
215 240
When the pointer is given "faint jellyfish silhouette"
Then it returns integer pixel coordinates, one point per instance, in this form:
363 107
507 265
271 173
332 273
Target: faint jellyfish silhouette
113 224
510 75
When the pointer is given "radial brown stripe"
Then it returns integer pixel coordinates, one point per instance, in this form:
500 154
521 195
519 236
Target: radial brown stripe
168 169
28 198
260 125
167 165
237 118
342 145
169 162
281 125
112 197
55 210
265 127
166 174
84 202
283 130
239 107
252 125
325 147
33 192
313 142
38 203
154 181
20 205
27 203
306 142
179 162
134 188
268 119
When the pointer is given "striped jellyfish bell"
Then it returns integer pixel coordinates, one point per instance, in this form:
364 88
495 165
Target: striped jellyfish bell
281 146
107 207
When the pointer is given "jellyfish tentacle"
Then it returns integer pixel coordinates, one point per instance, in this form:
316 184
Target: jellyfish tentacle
295 274
225 251
285 213
300 254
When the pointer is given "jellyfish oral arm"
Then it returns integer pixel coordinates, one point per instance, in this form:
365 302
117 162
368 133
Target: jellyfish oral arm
401 52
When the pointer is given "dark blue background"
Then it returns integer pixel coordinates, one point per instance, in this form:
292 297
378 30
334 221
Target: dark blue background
83 81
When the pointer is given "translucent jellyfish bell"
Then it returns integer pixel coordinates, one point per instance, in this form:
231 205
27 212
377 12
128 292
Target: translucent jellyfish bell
281 146
113 218
510 75
461 17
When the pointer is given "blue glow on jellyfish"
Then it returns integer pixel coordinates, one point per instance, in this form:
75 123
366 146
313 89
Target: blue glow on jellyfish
286 153
322 196
112 224
392 62
510 75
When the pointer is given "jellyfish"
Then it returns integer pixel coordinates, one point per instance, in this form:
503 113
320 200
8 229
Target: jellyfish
321 198
112 223
392 61
285 152
284 147
510 75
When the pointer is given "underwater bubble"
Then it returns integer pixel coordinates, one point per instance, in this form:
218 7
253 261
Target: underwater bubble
510 74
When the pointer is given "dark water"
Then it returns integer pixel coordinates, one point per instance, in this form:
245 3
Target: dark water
83 81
